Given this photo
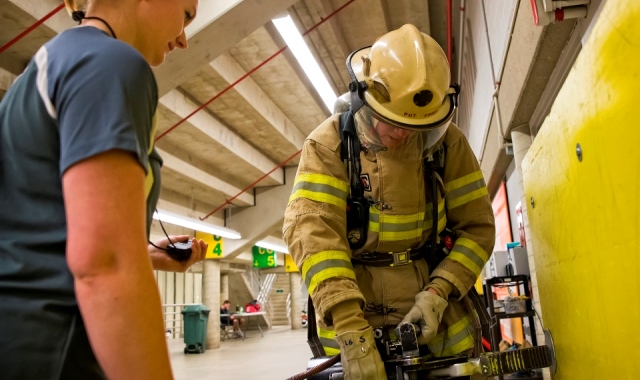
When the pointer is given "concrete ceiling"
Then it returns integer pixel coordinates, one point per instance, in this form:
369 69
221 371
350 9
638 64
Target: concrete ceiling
247 116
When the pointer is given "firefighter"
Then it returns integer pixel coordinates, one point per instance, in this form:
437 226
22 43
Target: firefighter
383 271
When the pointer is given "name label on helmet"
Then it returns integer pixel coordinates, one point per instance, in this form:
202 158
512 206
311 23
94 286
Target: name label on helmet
409 114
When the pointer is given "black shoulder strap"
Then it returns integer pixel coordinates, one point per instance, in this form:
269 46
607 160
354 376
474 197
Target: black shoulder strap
433 165
350 153
347 128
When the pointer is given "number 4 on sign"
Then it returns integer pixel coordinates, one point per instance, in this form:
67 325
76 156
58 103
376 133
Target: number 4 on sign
217 245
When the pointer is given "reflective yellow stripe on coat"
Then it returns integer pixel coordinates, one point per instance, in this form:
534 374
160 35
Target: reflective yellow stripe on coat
404 227
326 264
320 188
457 338
465 189
468 253
328 341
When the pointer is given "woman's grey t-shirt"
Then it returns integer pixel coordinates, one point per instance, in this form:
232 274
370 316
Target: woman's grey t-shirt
82 94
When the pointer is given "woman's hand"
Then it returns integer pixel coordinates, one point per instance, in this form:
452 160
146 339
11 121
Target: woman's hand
162 261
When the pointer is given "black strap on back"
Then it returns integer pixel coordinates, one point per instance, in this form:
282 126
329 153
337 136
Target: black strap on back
350 153
434 166
312 331
357 204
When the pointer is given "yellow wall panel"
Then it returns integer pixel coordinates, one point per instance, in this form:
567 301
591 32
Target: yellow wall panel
585 225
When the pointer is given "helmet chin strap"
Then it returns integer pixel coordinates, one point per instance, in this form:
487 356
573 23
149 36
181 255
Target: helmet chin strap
357 90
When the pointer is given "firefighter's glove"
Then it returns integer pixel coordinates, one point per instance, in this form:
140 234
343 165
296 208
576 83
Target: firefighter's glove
426 313
360 357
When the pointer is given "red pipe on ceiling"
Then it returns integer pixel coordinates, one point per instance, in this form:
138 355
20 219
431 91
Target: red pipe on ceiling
31 28
250 72
325 19
228 201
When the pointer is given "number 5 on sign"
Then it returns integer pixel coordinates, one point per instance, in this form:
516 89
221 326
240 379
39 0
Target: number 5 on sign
215 249
263 258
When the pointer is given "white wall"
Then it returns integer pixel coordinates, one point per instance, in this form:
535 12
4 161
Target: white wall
478 65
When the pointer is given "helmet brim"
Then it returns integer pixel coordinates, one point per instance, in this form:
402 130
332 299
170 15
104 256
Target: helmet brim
442 115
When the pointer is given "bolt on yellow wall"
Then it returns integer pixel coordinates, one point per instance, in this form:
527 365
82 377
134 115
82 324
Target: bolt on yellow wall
585 221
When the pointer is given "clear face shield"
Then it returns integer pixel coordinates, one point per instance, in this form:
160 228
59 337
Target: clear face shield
378 134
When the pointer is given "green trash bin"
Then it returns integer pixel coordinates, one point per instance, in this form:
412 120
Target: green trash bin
195 328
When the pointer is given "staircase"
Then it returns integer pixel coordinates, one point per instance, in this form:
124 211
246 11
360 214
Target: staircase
278 299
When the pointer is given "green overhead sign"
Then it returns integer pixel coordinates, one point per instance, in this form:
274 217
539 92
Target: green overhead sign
263 258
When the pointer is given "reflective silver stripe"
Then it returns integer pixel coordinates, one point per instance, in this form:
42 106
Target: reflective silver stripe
469 254
456 339
401 227
325 264
330 343
466 189
42 62
320 188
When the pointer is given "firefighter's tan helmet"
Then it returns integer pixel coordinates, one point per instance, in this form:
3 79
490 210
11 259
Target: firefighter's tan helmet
408 79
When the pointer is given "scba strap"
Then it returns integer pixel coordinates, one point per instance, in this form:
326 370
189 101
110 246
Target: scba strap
357 205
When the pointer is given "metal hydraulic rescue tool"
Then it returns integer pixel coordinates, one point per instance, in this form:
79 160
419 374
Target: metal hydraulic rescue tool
404 361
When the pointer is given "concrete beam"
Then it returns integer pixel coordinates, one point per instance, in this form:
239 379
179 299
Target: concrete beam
187 211
256 223
205 178
39 8
182 106
231 71
230 22
295 65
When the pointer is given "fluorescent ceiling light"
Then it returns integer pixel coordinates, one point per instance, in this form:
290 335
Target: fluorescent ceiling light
301 51
273 246
195 224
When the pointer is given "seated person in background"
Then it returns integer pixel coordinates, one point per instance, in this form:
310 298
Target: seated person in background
231 319
252 307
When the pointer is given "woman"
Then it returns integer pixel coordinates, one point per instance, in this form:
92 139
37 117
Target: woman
79 180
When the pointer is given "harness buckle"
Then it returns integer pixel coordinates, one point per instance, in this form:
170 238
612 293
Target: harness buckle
401 258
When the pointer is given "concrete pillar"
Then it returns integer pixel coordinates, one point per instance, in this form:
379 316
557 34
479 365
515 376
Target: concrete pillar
295 284
211 298
224 287
521 139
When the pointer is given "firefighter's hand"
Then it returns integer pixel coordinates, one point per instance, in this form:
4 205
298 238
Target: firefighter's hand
427 313
360 357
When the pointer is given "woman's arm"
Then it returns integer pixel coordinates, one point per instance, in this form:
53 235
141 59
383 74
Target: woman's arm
107 254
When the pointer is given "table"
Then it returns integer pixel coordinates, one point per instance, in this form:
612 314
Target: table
248 316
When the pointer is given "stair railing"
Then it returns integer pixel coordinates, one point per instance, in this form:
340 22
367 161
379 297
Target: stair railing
289 308
265 288
263 295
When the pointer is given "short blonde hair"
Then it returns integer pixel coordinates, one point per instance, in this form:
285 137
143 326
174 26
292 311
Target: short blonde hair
75 5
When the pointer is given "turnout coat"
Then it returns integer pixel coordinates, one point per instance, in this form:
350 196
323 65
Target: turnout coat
400 218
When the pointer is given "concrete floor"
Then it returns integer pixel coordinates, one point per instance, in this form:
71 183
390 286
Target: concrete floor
280 354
